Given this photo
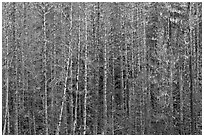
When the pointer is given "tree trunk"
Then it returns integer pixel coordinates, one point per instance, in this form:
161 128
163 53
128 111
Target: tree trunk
6 115
53 76
45 74
64 97
181 98
112 95
16 70
132 89
171 131
191 70
113 108
71 74
105 85
96 76
22 53
147 122
86 84
77 84
143 114
121 71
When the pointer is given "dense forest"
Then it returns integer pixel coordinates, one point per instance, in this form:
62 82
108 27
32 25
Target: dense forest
101 68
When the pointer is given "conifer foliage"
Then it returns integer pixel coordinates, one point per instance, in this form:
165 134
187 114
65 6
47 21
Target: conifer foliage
101 68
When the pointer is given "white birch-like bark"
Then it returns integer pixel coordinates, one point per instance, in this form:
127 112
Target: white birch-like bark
71 73
77 84
142 117
7 90
22 53
16 130
86 84
97 71
53 76
144 69
121 71
105 84
7 115
126 68
181 97
64 98
146 72
45 74
191 44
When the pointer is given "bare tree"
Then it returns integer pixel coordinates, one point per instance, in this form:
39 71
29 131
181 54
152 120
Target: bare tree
86 84
191 67
45 73
5 32
105 84
71 73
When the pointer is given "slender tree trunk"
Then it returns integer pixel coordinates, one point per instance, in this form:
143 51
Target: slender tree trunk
121 72
77 84
132 94
27 84
105 85
71 74
126 95
16 70
64 97
171 95
145 82
53 76
57 132
7 122
198 68
96 107
24 81
97 8
23 57
96 76
191 70
113 90
112 95
32 124
136 67
45 75
181 98
196 50
171 122
96 72
86 84
143 69
16 106
147 121
7 97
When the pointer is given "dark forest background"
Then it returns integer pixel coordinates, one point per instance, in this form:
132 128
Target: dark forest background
101 68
